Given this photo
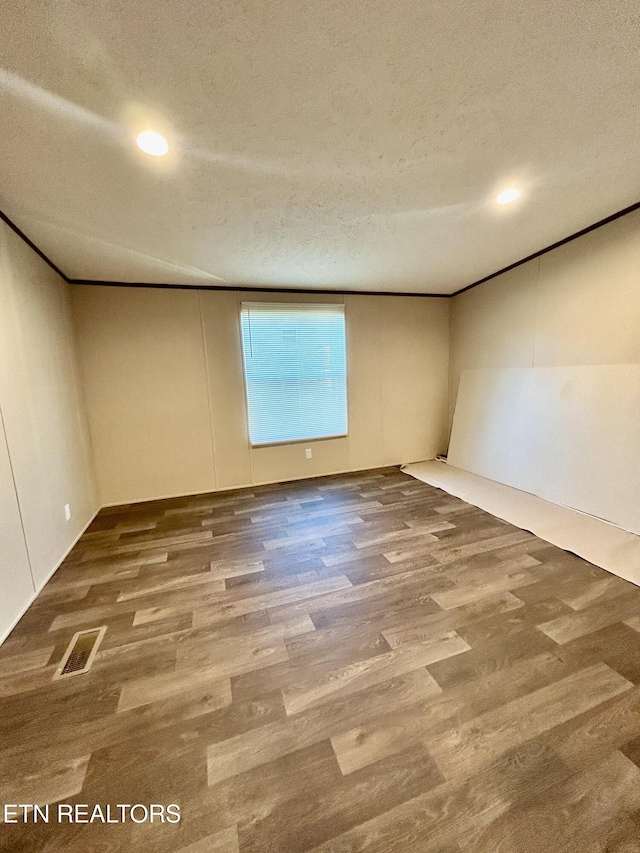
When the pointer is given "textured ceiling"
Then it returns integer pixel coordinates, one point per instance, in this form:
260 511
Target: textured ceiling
351 145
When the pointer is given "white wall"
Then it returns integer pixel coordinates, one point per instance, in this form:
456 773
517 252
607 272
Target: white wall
45 456
564 424
163 378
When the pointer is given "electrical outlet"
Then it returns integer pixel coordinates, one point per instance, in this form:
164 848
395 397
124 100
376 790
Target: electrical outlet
308 453
67 512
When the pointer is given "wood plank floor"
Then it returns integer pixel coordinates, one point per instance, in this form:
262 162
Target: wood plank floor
352 663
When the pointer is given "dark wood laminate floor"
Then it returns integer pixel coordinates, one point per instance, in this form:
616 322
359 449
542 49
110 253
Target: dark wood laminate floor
353 663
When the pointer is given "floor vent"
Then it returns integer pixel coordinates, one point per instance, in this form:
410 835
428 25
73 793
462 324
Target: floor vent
80 653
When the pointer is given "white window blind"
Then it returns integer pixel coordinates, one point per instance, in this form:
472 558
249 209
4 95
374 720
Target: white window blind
296 371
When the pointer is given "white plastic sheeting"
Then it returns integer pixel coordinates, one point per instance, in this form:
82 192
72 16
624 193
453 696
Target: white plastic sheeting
599 542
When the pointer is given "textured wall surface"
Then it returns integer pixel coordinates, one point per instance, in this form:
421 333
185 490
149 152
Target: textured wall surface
544 375
45 456
164 384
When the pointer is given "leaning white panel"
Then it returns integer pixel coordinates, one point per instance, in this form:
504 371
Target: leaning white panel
570 435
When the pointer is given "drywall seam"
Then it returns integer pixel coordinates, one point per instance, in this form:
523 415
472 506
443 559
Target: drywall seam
82 416
244 382
536 297
207 380
347 352
380 402
15 488
82 411
450 381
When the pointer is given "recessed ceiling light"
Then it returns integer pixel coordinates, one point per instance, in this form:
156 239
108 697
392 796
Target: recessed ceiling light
507 196
152 143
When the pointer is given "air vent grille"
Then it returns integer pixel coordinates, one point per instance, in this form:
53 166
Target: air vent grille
80 653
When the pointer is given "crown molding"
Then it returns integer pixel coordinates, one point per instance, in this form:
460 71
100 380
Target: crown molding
258 289
32 245
553 246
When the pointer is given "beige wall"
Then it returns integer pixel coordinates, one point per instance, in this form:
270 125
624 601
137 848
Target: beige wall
16 583
163 383
163 379
579 304
45 457
546 375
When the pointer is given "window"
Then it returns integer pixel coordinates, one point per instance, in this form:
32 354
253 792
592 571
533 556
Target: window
296 371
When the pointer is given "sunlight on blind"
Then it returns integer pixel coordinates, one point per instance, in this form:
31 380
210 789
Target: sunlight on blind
296 371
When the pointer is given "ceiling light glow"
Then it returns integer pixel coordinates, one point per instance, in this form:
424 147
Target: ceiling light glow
152 143
507 196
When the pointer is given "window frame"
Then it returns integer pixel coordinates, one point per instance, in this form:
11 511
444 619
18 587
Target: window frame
304 305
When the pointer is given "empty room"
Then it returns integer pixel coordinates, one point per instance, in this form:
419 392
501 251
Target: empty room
319 427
